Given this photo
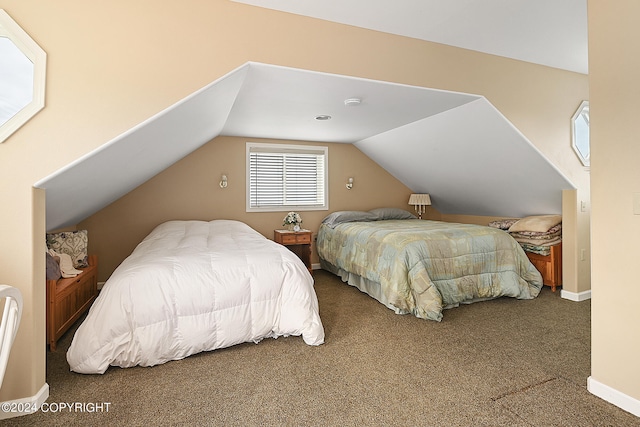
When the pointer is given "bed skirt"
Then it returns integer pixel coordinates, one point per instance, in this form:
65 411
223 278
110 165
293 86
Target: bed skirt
365 285
374 289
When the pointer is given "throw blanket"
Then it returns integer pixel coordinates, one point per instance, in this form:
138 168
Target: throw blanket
425 266
66 264
534 233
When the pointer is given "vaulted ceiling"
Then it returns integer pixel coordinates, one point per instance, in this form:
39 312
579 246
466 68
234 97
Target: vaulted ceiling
419 135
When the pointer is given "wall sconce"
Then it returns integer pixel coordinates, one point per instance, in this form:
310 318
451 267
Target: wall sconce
420 201
349 184
223 181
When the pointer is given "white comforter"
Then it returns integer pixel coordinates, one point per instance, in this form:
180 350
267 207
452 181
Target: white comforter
193 286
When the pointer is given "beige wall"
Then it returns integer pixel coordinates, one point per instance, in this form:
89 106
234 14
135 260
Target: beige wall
113 64
614 69
189 190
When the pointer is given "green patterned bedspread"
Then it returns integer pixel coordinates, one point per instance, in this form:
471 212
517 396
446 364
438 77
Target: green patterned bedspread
425 266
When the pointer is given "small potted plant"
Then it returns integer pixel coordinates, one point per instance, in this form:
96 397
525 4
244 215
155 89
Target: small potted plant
292 221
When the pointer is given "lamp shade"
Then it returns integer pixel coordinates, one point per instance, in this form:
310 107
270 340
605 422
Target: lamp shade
420 200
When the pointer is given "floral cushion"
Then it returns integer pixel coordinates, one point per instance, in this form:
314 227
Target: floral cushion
73 243
503 224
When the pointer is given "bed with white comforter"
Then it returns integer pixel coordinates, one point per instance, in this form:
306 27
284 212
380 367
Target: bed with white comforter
193 286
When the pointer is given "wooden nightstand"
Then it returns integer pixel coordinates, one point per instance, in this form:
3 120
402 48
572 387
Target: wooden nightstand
68 299
550 266
299 242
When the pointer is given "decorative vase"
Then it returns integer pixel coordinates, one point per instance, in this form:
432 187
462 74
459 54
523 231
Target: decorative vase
290 227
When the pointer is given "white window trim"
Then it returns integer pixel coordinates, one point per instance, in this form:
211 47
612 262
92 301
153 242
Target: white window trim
583 109
9 28
283 148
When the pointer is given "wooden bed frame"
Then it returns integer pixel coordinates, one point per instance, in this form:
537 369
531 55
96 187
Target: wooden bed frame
550 266
68 299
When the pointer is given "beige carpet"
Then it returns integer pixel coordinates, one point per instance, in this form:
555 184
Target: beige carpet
497 363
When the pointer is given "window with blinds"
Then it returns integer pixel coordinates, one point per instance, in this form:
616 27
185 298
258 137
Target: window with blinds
286 177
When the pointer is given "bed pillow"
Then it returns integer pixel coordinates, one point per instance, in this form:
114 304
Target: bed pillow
392 213
503 224
73 243
339 217
539 223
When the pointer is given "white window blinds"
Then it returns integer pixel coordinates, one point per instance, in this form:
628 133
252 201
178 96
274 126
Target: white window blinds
283 177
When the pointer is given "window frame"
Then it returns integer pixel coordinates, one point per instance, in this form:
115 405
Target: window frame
581 112
30 49
287 149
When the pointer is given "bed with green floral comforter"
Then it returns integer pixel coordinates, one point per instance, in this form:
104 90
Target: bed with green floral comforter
421 267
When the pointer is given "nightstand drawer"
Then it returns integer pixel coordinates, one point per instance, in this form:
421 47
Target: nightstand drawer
303 238
292 238
288 239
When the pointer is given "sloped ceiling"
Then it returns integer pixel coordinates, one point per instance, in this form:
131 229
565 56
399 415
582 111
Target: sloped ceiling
472 161
451 145
546 32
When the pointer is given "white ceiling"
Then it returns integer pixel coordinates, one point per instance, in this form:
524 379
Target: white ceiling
282 103
434 141
547 32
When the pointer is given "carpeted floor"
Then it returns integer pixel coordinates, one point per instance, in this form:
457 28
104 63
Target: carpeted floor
497 363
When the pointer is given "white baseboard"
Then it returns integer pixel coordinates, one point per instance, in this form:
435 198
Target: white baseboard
315 266
573 296
614 397
25 404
